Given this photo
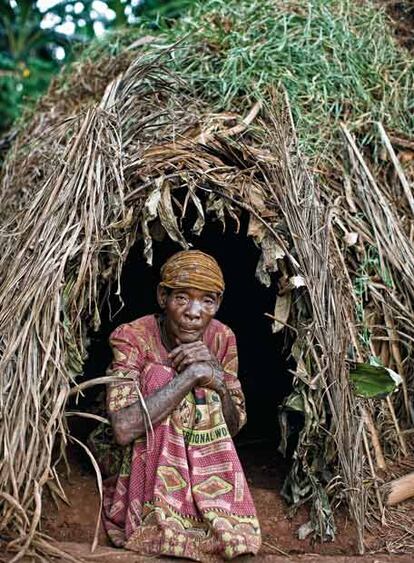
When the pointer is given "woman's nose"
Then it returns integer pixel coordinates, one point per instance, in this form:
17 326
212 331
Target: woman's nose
194 309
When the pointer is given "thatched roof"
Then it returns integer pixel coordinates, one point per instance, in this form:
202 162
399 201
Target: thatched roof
134 143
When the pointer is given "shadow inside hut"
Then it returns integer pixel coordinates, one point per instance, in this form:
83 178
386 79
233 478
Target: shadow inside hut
263 356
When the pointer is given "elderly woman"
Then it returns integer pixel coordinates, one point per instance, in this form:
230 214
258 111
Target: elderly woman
181 490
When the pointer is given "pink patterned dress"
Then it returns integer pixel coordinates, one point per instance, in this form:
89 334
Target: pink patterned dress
181 491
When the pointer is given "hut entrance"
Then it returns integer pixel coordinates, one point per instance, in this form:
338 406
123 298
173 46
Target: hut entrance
263 371
263 367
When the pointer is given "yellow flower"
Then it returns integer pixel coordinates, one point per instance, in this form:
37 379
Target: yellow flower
26 72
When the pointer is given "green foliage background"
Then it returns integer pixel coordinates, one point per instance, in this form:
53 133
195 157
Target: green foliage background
30 37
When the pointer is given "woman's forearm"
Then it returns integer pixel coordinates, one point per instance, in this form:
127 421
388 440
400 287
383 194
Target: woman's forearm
230 412
129 423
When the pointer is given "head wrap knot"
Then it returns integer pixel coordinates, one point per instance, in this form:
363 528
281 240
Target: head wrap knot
192 268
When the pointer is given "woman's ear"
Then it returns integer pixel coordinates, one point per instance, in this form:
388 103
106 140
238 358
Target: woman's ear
162 295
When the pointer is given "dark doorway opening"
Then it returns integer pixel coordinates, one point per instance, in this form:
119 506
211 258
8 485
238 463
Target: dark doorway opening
263 356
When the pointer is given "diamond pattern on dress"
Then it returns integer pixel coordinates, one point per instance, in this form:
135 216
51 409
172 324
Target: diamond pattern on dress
213 487
171 478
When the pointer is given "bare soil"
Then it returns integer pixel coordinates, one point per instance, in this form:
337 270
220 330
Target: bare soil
112 555
264 472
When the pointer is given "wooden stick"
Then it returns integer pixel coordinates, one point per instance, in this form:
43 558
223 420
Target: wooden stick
366 416
374 476
395 349
398 168
400 436
397 427
400 489
379 457
237 129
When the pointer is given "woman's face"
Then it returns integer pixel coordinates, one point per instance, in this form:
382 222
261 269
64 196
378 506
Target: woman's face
188 312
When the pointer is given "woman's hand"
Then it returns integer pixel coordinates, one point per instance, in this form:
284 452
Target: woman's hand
186 354
206 375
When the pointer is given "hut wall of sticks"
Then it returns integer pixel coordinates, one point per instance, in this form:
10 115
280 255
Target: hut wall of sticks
145 122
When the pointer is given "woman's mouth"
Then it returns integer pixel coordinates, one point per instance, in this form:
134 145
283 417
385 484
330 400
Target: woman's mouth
189 330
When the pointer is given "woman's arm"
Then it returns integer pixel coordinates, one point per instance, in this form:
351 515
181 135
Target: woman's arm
230 412
215 380
129 423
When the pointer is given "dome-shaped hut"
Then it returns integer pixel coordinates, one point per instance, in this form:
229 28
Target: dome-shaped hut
127 154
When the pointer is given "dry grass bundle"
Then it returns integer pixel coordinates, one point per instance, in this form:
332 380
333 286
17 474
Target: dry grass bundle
321 349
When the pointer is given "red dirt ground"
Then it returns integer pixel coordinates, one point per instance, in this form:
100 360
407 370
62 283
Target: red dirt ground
77 522
111 555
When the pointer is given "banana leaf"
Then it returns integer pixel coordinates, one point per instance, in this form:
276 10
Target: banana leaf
374 382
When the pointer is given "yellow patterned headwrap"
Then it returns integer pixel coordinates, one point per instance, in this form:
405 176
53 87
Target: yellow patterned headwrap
192 268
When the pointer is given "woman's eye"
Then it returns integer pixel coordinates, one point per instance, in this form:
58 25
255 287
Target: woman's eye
208 302
181 298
